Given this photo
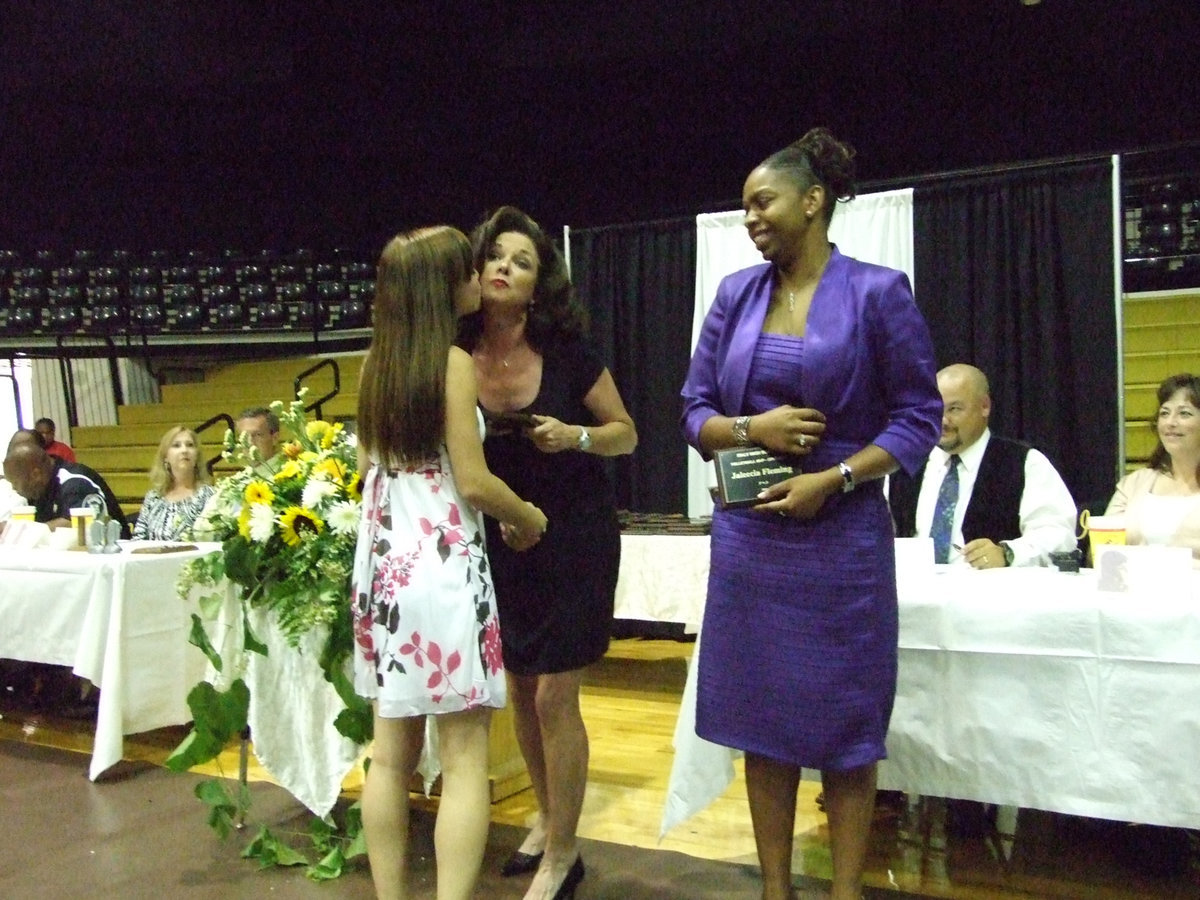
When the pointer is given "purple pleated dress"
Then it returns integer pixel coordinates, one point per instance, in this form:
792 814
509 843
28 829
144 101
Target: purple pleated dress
798 650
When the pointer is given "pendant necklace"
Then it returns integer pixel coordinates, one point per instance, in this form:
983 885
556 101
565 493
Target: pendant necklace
791 301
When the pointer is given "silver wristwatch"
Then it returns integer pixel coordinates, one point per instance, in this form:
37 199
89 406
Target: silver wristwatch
585 439
741 430
847 477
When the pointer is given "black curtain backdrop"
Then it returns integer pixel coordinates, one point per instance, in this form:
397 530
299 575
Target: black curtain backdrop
1014 273
639 284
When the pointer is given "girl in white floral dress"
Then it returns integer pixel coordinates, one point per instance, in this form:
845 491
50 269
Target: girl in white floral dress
427 639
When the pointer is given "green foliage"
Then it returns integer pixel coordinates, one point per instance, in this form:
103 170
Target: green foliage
217 717
287 529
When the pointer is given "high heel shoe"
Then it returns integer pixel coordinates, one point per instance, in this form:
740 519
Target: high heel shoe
521 863
566 890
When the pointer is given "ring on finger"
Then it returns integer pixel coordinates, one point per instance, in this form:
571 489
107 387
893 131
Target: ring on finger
804 440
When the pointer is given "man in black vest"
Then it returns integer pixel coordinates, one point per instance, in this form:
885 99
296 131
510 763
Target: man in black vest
1010 506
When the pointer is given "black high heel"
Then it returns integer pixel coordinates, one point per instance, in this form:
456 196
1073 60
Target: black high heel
521 863
566 890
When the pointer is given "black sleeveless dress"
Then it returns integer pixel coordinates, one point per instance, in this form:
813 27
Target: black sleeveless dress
556 600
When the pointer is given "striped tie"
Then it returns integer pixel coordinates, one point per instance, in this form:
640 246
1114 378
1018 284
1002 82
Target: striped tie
943 513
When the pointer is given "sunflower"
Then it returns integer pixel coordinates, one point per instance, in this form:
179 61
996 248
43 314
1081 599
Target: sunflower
354 487
296 520
258 492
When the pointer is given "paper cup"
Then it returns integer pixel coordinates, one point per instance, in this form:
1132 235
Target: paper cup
1102 531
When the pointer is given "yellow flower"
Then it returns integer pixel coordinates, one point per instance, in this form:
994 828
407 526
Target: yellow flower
258 492
316 430
354 487
332 467
244 522
290 469
292 449
296 520
307 456
330 436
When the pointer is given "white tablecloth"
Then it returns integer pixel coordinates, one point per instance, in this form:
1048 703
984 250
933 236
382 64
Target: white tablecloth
292 706
663 578
116 620
1025 687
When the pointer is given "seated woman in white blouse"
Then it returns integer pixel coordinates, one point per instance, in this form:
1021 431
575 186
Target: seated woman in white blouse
1161 503
179 489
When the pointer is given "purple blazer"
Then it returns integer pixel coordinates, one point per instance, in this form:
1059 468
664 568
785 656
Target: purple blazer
869 364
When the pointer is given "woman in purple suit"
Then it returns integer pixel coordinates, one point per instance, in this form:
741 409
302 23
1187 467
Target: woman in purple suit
826 358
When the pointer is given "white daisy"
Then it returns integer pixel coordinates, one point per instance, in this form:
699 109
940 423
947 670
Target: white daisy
262 523
316 490
343 517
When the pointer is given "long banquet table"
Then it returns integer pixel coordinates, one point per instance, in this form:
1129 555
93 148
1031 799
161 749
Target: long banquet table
1023 687
116 620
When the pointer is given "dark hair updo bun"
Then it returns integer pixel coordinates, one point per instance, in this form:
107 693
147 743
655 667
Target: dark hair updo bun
819 158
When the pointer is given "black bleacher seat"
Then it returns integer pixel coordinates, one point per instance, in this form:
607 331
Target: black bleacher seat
29 276
27 296
62 319
107 309
183 307
69 275
22 320
145 306
181 275
105 275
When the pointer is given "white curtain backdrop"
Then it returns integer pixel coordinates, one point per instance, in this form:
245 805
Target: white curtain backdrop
875 228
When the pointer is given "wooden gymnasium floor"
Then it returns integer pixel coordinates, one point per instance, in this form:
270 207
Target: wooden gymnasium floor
630 703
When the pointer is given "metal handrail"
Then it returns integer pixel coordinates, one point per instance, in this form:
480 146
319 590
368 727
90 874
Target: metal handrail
208 423
337 384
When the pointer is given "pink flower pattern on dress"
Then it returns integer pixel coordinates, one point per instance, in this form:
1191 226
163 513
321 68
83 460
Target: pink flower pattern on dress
392 569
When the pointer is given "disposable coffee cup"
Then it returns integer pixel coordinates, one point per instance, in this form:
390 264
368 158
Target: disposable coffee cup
1102 531
23 513
81 520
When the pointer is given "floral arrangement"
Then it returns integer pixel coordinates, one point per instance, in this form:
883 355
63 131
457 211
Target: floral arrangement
288 526
288 529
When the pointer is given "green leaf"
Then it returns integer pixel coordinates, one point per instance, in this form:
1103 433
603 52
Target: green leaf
249 640
322 834
221 806
210 605
357 725
217 717
329 868
198 637
270 851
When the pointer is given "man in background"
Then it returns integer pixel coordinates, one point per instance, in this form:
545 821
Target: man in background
54 487
986 500
261 426
45 427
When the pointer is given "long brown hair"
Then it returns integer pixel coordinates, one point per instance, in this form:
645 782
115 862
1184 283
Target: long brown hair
402 391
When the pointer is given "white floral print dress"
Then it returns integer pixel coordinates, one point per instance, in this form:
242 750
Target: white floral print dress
427 639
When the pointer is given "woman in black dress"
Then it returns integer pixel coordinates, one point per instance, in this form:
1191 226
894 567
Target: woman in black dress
532 357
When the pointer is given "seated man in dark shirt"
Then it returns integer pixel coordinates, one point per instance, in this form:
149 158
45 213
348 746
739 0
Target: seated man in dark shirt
55 487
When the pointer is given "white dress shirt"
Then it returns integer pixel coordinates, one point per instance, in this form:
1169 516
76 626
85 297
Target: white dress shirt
1047 511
